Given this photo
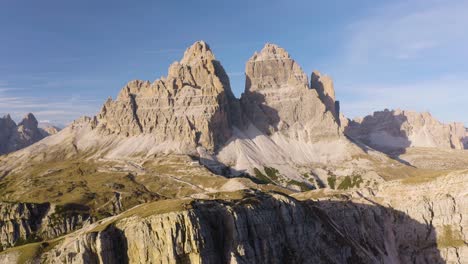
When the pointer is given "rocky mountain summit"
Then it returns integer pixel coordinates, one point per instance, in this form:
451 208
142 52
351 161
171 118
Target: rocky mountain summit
281 119
14 137
396 130
180 171
189 107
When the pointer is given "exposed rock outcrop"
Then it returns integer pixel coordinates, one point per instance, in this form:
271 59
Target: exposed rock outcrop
192 106
289 122
282 119
426 223
394 131
278 98
258 229
324 86
22 223
14 137
48 129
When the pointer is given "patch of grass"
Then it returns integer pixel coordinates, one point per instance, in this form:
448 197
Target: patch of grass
331 181
302 185
418 176
348 182
262 177
272 173
450 238
29 252
30 239
145 210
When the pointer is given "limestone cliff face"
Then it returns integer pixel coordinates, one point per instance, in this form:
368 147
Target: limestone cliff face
22 223
400 222
190 107
427 222
14 137
324 86
259 229
396 130
279 98
19 221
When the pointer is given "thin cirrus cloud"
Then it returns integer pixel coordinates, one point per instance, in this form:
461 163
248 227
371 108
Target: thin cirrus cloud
59 110
425 96
420 47
408 31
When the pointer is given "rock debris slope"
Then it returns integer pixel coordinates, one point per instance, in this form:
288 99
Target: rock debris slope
288 122
282 120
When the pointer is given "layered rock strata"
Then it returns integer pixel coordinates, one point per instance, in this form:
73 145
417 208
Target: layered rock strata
22 223
258 229
279 98
189 107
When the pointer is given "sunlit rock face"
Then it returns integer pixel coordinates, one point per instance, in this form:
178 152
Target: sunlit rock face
278 98
192 106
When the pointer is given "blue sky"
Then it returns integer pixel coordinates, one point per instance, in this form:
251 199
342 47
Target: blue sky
63 59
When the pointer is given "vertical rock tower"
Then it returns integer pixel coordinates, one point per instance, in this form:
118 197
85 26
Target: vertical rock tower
189 108
279 98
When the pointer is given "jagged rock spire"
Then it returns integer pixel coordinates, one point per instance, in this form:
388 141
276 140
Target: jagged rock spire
198 51
272 68
190 107
278 98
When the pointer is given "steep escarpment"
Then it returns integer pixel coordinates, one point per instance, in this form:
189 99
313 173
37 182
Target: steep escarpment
261 228
271 228
14 137
278 98
190 107
289 122
23 223
394 131
415 220
282 120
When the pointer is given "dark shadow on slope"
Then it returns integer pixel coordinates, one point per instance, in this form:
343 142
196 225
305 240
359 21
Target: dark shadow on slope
265 118
271 230
382 131
389 235
114 246
331 105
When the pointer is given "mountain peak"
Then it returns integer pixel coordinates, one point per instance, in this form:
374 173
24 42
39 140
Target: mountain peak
29 121
270 51
198 50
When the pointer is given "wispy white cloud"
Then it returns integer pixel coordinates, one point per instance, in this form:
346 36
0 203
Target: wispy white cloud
56 109
409 30
442 97
423 34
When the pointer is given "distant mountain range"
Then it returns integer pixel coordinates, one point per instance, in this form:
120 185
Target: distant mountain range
179 170
14 137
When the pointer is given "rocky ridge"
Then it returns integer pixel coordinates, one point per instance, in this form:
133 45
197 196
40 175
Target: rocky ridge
283 131
281 119
396 130
14 137
411 220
